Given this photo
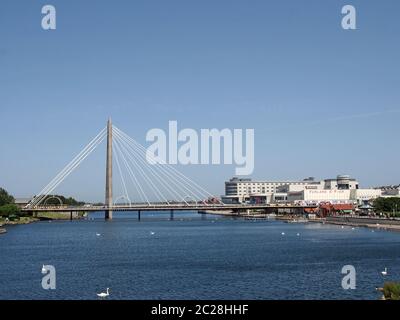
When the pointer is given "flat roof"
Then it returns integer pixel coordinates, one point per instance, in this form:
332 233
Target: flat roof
335 179
22 200
272 181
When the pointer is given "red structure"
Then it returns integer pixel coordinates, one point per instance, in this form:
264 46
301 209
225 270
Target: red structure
329 209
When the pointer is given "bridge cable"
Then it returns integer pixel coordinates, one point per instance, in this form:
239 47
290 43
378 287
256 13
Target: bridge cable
173 177
153 172
68 169
39 199
155 190
167 166
170 175
133 177
120 174
160 175
163 164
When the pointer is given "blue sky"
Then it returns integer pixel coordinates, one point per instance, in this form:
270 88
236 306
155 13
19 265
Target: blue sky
322 100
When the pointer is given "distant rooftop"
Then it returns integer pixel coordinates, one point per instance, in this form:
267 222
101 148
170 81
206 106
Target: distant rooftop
236 179
22 200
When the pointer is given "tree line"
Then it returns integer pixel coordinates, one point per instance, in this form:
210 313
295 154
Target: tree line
7 204
56 199
8 207
387 205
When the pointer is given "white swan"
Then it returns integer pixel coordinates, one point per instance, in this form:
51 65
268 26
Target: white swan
98 234
298 234
384 273
44 270
103 294
283 233
152 232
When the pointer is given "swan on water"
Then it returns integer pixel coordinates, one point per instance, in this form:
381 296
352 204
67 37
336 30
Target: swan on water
384 273
103 294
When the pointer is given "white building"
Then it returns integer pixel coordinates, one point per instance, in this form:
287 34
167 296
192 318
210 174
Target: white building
22 202
390 191
317 196
243 190
363 196
341 189
342 182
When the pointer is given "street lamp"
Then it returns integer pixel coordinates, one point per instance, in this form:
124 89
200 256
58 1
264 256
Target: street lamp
394 210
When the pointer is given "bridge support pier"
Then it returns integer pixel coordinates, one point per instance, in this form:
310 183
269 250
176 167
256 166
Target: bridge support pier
70 216
108 214
171 215
109 175
138 215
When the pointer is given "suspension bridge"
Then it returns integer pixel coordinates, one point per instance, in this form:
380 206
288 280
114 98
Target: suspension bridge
157 186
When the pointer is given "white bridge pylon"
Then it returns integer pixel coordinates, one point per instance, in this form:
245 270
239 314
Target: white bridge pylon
143 179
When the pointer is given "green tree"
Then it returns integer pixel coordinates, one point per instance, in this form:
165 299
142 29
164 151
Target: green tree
5 198
9 210
387 205
391 290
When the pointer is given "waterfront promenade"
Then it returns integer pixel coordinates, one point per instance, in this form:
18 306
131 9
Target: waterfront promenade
368 222
353 221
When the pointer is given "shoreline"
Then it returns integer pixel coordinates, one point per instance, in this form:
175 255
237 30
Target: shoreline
352 221
371 223
360 222
51 216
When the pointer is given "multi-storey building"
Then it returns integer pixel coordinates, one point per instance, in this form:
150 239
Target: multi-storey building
242 190
245 190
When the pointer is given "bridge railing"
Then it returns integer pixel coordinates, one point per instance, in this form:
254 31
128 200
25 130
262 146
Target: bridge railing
164 206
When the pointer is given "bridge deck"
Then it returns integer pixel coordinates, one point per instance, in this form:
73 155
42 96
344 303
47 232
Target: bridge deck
170 207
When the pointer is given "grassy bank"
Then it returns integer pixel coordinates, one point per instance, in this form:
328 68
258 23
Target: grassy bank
59 215
20 220
390 290
41 216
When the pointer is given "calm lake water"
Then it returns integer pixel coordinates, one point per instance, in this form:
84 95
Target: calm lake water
194 258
